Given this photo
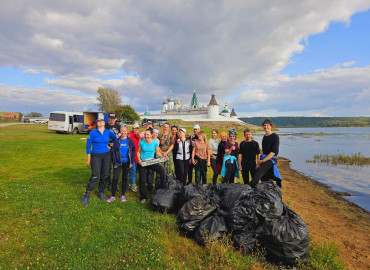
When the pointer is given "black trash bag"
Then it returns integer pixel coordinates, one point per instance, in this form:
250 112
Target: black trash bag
213 227
192 190
221 188
193 212
270 187
232 195
285 238
173 183
245 240
242 217
267 204
167 200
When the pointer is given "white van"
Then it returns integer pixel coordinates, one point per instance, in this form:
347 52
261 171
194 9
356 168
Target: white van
66 122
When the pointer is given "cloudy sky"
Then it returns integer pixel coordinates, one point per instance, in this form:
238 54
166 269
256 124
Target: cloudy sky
264 58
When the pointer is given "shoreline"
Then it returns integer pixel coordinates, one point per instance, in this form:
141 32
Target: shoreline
328 189
330 217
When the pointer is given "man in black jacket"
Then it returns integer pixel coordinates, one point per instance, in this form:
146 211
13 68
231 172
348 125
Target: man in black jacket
115 127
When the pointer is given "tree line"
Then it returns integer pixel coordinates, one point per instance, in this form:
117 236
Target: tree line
301 121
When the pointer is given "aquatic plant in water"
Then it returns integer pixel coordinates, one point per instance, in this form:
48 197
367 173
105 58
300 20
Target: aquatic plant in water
345 159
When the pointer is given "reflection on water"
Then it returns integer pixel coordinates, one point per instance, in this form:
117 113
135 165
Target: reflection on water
301 144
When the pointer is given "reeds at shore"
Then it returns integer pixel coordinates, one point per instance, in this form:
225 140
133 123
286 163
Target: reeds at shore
345 159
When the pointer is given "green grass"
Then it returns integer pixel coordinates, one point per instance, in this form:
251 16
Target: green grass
353 159
43 224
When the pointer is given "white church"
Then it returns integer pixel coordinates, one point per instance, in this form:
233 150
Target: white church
175 109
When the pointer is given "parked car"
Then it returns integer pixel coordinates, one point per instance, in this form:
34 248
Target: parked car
40 121
26 120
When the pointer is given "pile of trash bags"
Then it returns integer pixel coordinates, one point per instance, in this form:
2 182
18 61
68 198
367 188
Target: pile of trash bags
248 214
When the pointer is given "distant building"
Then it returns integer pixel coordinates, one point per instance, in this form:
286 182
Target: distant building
11 116
175 109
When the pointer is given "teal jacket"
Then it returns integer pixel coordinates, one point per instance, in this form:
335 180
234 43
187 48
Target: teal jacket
233 159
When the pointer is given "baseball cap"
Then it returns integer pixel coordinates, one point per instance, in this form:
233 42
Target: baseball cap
99 119
112 115
183 129
196 127
135 126
156 131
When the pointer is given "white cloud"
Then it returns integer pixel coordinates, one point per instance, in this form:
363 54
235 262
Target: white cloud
31 71
43 100
210 45
340 90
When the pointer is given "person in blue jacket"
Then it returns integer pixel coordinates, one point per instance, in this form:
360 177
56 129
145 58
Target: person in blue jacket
123 157
98 158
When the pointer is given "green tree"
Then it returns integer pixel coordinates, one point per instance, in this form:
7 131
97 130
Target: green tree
127 113
109 99
34 114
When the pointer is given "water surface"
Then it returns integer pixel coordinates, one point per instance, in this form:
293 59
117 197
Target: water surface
301 144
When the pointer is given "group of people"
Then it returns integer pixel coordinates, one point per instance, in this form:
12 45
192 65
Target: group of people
112 145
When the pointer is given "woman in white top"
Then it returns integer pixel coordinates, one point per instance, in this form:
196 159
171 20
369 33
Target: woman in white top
213 143
182 150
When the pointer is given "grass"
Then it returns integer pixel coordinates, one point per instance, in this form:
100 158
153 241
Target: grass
353 159
43 224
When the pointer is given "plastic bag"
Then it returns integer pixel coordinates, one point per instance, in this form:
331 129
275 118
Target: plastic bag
193 212
167 200
173 183
270 187
213 227
245 240
232 195
242 217
285 238
192 190
267 204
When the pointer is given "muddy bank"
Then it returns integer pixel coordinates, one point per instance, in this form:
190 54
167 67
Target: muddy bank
329 217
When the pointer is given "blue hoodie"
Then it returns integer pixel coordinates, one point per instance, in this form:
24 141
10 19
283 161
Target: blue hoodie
116 152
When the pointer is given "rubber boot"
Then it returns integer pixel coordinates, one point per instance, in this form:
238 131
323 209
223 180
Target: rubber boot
85 199
101 196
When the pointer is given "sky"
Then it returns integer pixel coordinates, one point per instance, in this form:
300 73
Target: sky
264 58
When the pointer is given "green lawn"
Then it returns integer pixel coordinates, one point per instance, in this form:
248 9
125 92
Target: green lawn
43 224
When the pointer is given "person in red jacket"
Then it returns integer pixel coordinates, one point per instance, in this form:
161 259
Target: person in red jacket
135 136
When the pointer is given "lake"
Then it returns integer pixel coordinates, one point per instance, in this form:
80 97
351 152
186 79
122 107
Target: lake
301 144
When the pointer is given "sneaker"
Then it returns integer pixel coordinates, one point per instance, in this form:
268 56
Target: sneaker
143 201
111 199
133 188
123 199
85 200
101 196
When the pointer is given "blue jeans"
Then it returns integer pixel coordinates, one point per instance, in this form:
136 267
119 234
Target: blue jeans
133 173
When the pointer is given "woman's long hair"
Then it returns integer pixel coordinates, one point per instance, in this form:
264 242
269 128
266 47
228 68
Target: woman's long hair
203 135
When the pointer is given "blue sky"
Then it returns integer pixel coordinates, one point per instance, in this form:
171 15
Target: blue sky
264 59
342 42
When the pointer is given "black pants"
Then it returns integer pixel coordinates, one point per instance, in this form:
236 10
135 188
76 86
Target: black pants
116 172
264 172
248 167
143 172
100 166
230 171
182 170
149 179
215 171
200 171
190 172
